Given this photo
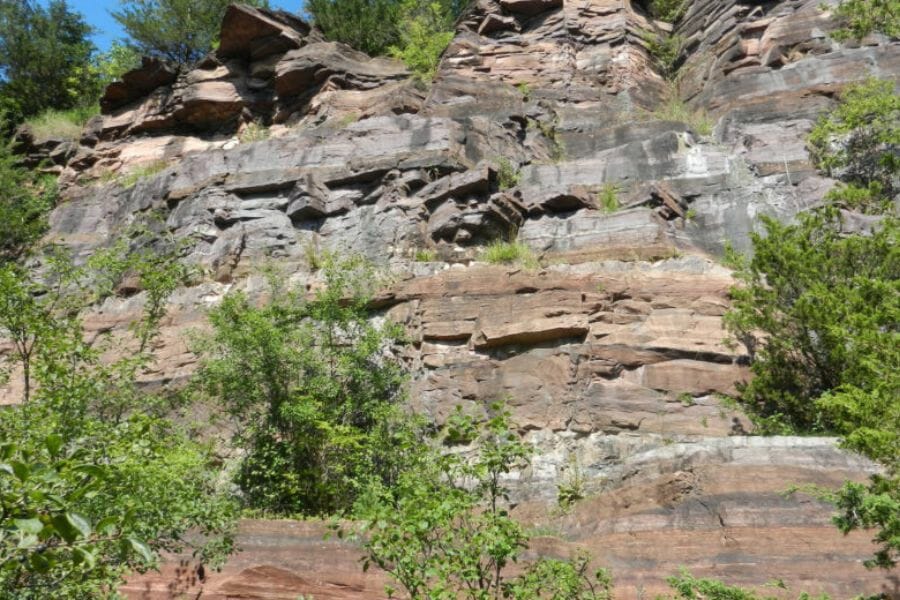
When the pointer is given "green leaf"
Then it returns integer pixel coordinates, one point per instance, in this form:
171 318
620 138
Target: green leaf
53 443
141 548
81 555
21 470
33 526
79 523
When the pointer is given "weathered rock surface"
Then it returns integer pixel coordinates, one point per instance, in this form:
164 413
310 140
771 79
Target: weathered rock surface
610 354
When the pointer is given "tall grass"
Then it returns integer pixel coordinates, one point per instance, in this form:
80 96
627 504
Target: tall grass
66 124
502 252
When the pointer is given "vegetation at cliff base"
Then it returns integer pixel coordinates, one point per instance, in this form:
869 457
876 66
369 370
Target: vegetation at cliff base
25 200
95 478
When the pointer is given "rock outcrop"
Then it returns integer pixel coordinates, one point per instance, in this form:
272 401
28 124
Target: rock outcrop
611 354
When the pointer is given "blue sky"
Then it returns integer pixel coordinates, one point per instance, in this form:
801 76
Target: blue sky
96 12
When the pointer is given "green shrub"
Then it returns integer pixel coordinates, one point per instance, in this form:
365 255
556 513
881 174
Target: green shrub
507 175
687 587
371 26
863 17
445 529
66 124
25 201
857 142
95 481
502 252
314 388
427 29
665 51
571 489
667 10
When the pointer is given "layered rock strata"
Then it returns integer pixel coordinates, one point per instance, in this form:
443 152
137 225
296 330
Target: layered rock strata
546 124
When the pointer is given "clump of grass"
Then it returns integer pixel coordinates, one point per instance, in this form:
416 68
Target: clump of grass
507 175
503 252
676 110
425 255
608 198
253 132
667 10
66 124
690 215
141 172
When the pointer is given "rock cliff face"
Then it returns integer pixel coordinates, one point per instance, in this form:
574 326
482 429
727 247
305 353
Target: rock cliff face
611 353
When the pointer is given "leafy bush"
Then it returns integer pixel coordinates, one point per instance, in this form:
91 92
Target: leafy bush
507 175
444 529
314 389
667 10
98 480
863 17
25 202
858 141
665 51
368 25
426 29
818 312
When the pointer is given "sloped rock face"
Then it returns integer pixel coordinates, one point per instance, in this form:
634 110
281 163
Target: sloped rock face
610 355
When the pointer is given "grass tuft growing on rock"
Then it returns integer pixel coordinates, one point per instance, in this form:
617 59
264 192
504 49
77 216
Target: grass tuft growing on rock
148 170
501 252
66 124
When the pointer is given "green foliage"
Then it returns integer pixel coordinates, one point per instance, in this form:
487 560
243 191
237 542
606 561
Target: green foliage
98 481
181 31
508 176
315 390
863 17
857 142
24 204
873 506
687 587
45 58
665 51
444 530
115 62
667 10
66 124
415 31
818 312
367 25
608 197
502 252
426 29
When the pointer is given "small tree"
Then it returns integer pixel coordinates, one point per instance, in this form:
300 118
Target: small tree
180 31
313 390
444 530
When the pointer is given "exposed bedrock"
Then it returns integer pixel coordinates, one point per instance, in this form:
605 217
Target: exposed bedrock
543 126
